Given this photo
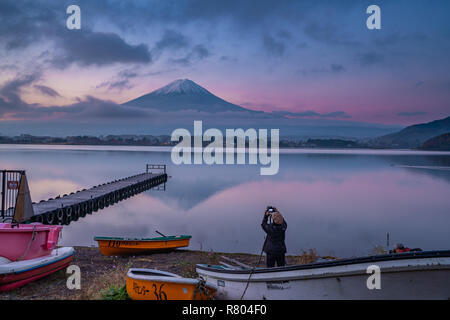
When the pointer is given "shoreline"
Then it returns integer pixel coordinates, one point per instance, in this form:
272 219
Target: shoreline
168 149
102 273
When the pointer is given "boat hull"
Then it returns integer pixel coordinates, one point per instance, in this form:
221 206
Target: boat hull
27 241
149 284
118 246
406 276
16 274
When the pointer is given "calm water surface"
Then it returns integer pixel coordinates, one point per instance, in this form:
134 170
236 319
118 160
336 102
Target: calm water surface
340 202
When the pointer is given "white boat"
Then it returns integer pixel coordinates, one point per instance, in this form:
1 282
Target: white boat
411 275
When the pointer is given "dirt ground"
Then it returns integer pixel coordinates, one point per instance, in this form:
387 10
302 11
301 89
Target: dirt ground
100 273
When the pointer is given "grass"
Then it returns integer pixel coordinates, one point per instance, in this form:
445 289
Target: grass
109 285
115 293
378 249
309 256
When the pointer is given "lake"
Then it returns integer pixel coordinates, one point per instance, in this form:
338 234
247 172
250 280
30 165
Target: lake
339 202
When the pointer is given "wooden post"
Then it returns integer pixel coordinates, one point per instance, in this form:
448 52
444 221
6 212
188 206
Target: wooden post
23 210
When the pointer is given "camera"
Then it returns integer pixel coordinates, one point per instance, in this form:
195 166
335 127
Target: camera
270 209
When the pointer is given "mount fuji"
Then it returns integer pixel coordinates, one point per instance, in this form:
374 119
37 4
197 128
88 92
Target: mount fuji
185 94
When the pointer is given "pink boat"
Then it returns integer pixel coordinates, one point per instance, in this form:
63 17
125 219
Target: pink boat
27 251
27 241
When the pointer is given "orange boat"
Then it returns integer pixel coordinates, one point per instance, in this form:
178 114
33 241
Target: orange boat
151 284
110 246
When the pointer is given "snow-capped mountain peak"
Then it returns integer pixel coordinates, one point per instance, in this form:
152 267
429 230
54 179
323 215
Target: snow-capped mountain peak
181 86
184 94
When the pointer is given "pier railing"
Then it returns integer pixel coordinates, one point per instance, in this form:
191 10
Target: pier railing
151 168
10 185
158 169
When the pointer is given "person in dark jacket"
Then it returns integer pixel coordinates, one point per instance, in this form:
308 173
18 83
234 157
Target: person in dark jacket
274 246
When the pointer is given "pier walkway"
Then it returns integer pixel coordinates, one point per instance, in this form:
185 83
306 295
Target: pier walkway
70 207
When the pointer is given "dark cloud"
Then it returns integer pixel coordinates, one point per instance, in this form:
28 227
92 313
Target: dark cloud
333 68
198 52
171 39
419 83
337 68
284 34
96 108
128 74
8 67
22 24
411 114
86 48
273 46
118 85
28 22
47 91
328 33
85 110
400 39
336 114
303 114
10 100
312 114
369 58
12 104
120 82
252 105
228 59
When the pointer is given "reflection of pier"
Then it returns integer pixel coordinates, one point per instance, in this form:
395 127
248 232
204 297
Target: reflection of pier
67 208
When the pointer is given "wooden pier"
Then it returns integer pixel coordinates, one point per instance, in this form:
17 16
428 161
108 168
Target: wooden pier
70 207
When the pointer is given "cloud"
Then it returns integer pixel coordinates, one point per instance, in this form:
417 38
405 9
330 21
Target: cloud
92 107
12 105
172 39
30 23
337 68
21 25
87 48
116 85
303 114
411 114
336 114
47 91
419 83
401 39
120 82
333 68
10 100
273 47
312 114
8 67
89 109
199 52
328 33
369 58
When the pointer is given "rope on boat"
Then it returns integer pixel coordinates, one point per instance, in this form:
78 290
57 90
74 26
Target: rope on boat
202 289
33 236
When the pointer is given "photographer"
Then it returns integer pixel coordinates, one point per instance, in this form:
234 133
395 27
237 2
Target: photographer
274 246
